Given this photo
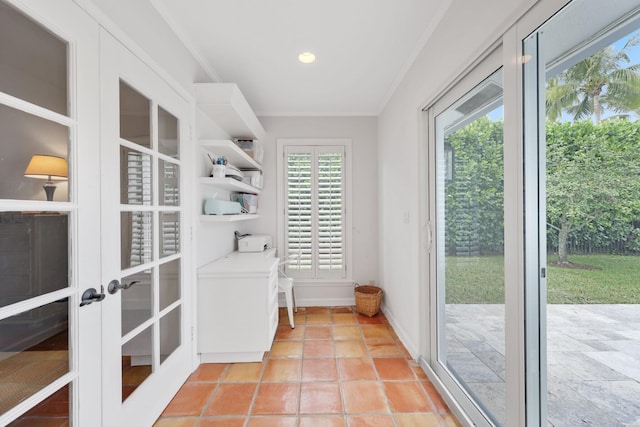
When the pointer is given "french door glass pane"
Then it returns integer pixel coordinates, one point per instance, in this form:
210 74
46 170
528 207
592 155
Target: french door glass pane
169 233
53 410
136 238
169 283
34 351
33 255
137 361
135 116
169 333
25 136
470 248
34 62
137 300
168 134
169 183
136 182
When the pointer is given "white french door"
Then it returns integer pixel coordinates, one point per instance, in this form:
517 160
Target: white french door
49 246
145 327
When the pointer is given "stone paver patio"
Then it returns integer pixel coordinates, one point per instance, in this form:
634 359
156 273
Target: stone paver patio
593 360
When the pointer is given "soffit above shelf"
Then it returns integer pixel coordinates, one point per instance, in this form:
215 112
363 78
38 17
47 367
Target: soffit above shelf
226 105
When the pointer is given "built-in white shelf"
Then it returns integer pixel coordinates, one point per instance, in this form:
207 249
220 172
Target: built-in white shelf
227 106
230 184
228 218
229 149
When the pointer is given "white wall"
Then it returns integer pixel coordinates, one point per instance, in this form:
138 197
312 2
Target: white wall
141 23
363 132
467 29
213 239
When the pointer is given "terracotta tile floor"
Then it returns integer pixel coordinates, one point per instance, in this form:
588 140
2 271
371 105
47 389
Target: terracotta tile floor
335 369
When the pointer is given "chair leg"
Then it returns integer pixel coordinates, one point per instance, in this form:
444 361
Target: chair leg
289 297
293 296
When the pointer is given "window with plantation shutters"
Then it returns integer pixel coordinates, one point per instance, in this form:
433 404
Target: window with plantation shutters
315 211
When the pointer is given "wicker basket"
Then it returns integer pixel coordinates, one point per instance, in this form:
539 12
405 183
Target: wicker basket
368 299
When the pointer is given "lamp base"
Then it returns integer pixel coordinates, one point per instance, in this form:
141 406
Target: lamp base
49 189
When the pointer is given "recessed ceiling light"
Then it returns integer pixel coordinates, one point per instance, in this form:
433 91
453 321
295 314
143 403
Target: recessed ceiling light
306 57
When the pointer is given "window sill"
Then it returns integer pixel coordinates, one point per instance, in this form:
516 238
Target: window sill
342 283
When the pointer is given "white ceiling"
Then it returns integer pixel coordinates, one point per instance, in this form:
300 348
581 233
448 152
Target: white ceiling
363 48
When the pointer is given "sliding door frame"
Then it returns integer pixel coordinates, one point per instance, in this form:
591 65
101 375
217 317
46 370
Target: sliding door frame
524 335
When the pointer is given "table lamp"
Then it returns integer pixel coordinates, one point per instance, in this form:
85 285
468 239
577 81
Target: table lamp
49 168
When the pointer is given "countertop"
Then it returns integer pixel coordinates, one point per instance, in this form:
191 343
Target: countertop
241 264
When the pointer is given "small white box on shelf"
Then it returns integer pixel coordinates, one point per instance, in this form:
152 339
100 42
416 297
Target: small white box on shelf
253 178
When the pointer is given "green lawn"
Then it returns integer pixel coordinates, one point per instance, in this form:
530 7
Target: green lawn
479 280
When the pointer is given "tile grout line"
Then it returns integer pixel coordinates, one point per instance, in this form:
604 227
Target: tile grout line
303 338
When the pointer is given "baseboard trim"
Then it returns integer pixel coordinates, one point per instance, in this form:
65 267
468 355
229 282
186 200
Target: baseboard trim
408 343
320 302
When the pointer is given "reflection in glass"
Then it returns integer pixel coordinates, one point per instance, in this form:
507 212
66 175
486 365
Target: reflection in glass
169 333
169 183
24 135
136 301
33 255
168 134
52 411
34 352
470 169
169 233
137 356
135 116
169 283
34 62
135 177
136 238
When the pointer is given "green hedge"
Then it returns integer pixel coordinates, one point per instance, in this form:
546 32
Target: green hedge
593 181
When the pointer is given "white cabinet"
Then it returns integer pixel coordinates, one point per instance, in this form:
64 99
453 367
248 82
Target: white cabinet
237 307
226 105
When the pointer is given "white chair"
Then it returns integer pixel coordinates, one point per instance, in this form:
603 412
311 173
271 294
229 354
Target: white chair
285 285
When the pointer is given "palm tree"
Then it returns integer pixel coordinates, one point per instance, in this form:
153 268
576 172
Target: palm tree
598 82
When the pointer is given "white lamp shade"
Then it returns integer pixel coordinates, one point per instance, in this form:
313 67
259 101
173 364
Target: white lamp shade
46 167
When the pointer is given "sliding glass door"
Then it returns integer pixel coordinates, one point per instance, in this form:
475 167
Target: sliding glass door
582 162
469 246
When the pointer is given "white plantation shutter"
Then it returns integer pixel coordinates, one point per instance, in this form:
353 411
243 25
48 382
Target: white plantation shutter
314 213
329 211
299 211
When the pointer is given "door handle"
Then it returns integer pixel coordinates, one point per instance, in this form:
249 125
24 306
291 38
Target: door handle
91 295
115 285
